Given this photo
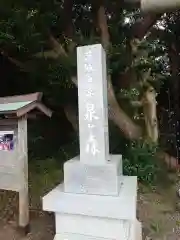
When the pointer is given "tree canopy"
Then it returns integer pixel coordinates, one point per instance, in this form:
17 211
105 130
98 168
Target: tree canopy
40 39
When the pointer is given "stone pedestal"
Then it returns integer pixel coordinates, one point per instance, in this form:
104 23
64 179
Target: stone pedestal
100 179
81 216
95 202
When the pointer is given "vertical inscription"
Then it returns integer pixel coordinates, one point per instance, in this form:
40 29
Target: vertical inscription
90 114
92 95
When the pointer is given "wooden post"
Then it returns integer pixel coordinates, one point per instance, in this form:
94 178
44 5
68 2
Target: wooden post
23 162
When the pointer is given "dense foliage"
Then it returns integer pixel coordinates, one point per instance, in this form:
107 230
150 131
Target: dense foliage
40 39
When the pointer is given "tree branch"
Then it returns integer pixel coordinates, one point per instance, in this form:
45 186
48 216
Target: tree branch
116 114
68 20
24 67
47 54
105 38
56 51
56 46
72 117
68 29
142 26
156 33
138 31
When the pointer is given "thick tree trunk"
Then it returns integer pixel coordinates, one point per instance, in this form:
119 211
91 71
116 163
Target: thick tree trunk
117 115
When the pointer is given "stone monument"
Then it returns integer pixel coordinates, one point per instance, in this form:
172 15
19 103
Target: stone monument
95 202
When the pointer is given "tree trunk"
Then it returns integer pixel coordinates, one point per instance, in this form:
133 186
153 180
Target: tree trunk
150 115
72 116
174 83
116 114
174 90
142 26
68 26
138 31
170 161
120 118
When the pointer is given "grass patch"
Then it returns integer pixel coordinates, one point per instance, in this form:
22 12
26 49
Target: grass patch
43 177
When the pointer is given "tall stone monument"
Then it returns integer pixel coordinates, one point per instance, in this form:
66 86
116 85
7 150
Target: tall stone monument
95 202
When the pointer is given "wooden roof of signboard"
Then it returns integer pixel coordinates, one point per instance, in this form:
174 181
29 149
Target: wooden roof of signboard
23 104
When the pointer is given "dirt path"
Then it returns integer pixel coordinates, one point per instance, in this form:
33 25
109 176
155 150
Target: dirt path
41 229
159 217
42 224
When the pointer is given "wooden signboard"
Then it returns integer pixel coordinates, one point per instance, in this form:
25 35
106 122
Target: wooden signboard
13 147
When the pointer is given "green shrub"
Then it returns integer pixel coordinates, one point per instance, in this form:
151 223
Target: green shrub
140 160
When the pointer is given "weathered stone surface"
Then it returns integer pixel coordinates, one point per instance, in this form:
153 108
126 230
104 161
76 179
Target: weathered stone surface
93 106
97 227
93 179
122 206
75 227
96 202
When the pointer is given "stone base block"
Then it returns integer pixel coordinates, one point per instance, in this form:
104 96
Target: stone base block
71 236
115 229
76 227
95 217
122 206
93 179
